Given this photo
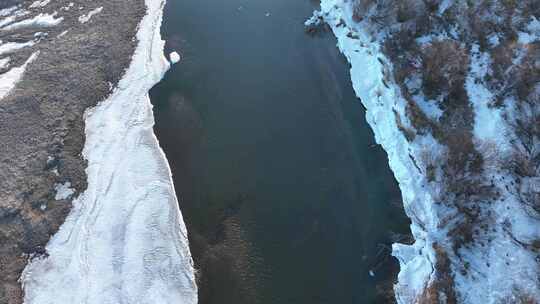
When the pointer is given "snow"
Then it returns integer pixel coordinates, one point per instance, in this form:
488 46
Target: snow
41 20
62 34
532 34
87 17
489 123
10 47
493 40
175 57
429 107
504 255
314 20
124 241
4 62
38 3
493 268
7 11
9 79
7 20
68 7
63 191
11 14
445 4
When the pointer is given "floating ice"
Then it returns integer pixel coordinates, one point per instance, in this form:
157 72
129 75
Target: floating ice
175 57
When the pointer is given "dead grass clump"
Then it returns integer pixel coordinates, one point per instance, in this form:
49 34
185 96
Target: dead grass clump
521 164
385 292
462 234
409 134
502 57
430 161
401 49
419 120
528 72
445 65
491 155
360 8
463 157
442 288
524 162
410 11
528 195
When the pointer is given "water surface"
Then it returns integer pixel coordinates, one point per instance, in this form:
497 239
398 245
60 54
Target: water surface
286 198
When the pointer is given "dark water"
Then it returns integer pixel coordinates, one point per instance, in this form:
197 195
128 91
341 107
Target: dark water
285 197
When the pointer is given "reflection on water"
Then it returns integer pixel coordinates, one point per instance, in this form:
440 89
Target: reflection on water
285 196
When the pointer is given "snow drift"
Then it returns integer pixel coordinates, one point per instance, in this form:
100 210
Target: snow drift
125 240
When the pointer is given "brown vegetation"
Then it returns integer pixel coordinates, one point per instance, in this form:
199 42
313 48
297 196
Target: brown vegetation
442 64
444 67
441 288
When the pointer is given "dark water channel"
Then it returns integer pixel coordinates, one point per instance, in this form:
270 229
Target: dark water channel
285 197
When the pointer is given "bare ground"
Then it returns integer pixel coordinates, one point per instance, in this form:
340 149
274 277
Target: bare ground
42 123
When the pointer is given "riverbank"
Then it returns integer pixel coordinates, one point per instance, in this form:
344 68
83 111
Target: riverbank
456 137
79 53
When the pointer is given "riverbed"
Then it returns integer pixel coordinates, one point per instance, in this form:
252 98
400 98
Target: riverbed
286 196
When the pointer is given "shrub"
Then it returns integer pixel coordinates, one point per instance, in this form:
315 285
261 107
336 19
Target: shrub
442 288
445 65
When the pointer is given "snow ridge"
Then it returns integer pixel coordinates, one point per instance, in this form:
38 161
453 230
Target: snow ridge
125 240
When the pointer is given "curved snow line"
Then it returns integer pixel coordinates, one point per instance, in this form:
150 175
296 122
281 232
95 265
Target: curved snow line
9 79
125 240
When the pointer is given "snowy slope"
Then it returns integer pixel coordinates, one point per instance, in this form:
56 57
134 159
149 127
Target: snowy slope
505 271
125 240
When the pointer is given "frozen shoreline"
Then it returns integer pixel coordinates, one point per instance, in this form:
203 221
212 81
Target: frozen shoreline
367 74
476 273
125 240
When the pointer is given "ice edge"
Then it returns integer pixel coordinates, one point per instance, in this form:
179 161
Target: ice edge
381 99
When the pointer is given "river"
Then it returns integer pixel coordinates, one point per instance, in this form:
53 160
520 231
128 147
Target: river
286 198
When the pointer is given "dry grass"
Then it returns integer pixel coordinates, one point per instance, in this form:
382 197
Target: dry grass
409 133
444 67
442 288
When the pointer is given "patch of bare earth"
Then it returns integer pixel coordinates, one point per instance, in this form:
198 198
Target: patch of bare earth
42 123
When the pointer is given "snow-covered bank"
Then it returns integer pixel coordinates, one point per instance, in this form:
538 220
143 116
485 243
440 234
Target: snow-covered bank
381 102
474 241
125 240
